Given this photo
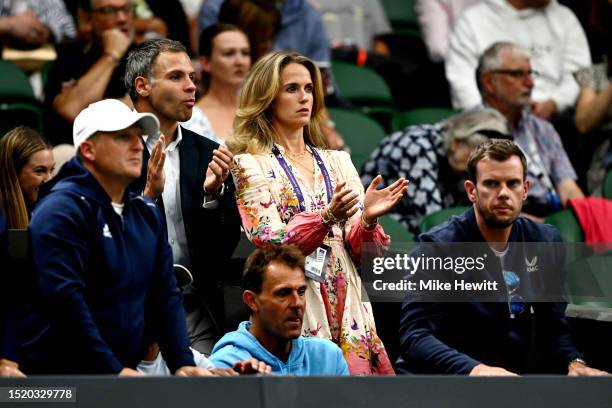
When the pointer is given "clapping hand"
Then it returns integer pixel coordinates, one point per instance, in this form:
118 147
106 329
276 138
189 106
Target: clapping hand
344 202
155 170
218 170
380 202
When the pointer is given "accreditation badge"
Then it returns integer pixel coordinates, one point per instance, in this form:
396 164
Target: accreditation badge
316 263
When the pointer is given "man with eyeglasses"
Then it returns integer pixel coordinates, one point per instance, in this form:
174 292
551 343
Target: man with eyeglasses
88 72
550 31
505 80
520 328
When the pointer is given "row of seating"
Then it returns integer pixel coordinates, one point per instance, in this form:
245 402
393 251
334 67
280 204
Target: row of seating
18 105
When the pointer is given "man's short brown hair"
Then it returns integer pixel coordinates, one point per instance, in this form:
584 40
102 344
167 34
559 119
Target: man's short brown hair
495 149
257 263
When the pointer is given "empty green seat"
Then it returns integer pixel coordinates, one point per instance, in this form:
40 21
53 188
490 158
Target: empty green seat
361 85
361 133
419 116
590 281
18 106
431 220
401 13
395 229
567 224
607 185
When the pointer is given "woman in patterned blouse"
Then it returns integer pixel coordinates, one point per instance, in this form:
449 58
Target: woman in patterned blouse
290 189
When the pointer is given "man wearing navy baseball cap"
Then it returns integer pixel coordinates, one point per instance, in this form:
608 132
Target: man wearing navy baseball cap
102 260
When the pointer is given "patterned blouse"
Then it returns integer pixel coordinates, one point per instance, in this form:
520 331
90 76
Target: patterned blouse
270 212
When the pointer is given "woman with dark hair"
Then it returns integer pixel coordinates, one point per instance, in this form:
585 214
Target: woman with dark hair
225 60
26 162
290 189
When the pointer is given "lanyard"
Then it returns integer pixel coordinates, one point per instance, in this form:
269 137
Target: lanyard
293 181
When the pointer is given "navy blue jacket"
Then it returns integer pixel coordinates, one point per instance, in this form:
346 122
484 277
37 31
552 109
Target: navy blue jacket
99 277
8 323
212 234
454 337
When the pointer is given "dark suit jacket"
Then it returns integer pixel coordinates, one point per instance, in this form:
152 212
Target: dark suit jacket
212 234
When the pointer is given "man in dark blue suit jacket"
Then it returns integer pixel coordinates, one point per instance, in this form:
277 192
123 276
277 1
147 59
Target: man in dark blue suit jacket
188 176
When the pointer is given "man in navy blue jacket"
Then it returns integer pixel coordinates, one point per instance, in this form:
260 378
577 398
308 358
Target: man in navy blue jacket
506 334
101 258
188 177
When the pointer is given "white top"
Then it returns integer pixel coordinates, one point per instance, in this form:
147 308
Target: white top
436 19
158 367
200 124
118 208
552 35
172 199
352 22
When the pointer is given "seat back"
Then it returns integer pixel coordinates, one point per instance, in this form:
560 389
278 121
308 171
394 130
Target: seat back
395 229
431 220
360 133
567 224
419 116
360 85
590 281
607 185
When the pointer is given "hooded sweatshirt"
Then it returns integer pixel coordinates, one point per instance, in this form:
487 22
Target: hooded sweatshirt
552 35
308 355
99 275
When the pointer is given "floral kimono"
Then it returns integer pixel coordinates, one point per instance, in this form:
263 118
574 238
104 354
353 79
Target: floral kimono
270 212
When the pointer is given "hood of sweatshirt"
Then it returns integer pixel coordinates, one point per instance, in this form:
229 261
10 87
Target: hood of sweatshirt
243 339
505 8
74 177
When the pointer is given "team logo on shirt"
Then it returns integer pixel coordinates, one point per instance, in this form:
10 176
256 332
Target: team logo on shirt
532 266
106 232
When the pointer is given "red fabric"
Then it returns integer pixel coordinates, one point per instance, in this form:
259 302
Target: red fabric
595 217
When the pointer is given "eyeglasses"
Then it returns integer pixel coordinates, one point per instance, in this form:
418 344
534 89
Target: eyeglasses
109 11
517 73
516 303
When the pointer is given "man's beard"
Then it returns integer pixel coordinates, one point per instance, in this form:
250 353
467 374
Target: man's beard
491 221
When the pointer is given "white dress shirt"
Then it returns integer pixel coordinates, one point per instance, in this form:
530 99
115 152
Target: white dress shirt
172 199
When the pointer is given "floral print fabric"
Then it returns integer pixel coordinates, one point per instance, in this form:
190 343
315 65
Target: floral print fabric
270 215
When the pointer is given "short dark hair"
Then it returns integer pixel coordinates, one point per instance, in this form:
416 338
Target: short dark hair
257 263
496 149
206 45
141 60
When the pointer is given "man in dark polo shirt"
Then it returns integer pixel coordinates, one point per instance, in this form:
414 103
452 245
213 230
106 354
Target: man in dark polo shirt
88 72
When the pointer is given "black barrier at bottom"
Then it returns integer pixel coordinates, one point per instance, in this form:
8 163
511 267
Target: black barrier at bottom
319 392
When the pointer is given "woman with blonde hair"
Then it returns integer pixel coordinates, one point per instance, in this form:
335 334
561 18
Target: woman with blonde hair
291 189
26 162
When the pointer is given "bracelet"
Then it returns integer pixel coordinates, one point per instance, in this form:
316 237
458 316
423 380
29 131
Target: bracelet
366 226
328 218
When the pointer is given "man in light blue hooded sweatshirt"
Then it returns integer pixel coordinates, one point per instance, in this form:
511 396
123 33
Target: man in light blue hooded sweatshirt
274 291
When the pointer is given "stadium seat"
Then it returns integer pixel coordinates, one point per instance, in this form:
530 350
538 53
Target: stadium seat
567 224
366 89
18 106
590 281
607 185
419 116
395 229
361 133
401 14
431 220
